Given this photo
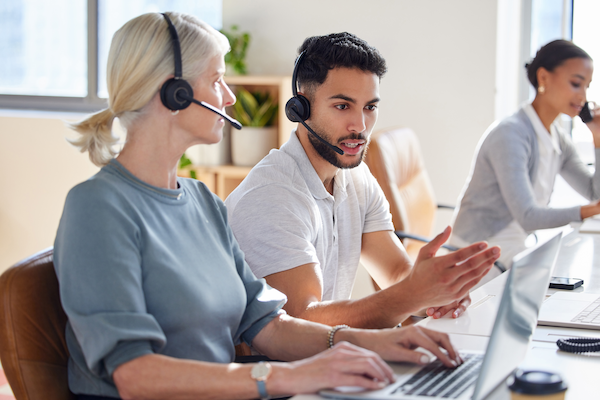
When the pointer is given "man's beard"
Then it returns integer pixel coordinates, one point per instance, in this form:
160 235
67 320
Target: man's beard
330 155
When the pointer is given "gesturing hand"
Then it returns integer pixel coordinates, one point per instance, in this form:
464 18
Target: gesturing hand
456 308
440 281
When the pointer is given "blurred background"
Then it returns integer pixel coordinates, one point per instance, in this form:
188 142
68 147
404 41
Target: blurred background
454 66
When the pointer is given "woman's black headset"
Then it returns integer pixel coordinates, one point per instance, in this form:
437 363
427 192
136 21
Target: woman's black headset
176 93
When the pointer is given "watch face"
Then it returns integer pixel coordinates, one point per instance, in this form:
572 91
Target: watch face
261 371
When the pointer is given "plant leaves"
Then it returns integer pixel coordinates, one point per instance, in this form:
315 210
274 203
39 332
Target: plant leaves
184 161
256 109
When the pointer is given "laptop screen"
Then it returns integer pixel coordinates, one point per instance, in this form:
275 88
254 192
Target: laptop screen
523 295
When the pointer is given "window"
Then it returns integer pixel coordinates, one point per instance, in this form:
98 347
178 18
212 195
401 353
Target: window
550 20
586 32
585 35
54 53
523 27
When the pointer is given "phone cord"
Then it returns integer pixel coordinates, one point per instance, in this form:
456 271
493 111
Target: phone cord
579 345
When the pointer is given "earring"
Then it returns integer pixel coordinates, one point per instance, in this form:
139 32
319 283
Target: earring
541 90
174 112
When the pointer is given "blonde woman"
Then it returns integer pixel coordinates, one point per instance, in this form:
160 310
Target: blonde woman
152 280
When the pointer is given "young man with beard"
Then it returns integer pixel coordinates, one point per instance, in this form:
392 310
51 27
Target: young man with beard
306 214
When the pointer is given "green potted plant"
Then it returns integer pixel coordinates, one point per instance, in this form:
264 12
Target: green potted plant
235 60
257 112
184 161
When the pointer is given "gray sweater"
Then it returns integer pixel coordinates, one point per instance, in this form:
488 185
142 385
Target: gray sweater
500 186
148 270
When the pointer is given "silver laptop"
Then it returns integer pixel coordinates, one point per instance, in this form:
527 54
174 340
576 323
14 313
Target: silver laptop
516 319
571 310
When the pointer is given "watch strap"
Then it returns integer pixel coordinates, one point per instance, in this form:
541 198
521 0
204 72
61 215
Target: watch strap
262 390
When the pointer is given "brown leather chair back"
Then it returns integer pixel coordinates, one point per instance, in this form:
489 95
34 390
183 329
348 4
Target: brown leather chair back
394 157
32 330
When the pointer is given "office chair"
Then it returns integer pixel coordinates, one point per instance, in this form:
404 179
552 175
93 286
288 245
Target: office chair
33 350
394 158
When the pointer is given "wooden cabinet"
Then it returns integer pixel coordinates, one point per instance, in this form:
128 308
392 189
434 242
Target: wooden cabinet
222 179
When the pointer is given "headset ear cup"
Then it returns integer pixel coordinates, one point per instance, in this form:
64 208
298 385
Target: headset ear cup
169 94
301 108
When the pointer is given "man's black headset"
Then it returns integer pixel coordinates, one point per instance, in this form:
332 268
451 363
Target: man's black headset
176 93
297 109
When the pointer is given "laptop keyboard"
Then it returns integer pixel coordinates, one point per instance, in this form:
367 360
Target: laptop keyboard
436 380
591 314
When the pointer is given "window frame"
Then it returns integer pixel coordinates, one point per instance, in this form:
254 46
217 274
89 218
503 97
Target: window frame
89 103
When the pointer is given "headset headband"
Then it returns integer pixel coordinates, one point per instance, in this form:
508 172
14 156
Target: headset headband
295 75
176 47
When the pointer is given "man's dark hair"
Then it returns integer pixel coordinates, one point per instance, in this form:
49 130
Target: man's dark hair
322 53
553 55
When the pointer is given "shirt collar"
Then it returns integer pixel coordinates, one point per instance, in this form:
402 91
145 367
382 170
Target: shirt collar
294 149
548 140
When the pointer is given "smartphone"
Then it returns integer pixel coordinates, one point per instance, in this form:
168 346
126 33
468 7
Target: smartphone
557 282
586 113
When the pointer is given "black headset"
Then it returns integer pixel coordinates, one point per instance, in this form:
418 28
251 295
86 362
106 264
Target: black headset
176 93
173 91
297 109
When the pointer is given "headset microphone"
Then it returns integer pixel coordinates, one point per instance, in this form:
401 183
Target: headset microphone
297 109
234 122
332 147
176 93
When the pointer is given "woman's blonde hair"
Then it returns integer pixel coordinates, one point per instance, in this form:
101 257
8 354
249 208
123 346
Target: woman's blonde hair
139 62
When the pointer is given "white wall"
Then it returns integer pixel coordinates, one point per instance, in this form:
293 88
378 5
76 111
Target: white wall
441 59
37 169
512 49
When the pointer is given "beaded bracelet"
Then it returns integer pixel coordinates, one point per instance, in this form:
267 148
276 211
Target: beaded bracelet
332 332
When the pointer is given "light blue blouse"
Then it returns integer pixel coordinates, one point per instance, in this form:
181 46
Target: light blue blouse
149 270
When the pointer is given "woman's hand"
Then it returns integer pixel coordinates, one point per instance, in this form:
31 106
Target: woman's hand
589 210
343 365
399 344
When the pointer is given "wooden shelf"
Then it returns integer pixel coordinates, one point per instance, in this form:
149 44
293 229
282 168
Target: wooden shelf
220 179
280 87
223 179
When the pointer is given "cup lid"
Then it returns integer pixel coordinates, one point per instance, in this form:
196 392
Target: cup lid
537 382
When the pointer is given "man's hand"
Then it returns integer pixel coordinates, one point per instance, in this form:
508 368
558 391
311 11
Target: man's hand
443 282
456 308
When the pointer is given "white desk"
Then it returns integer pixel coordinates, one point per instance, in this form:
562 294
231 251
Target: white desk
577 258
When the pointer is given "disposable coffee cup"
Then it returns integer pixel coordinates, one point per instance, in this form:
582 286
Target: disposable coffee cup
537 385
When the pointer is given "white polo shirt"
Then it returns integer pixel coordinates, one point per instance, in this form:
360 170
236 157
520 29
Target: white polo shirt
283 217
